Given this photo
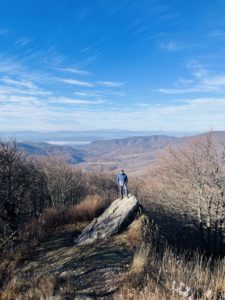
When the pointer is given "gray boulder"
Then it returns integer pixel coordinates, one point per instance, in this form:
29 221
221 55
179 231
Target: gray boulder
110 222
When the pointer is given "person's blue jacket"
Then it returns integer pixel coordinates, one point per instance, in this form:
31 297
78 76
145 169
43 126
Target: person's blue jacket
122 179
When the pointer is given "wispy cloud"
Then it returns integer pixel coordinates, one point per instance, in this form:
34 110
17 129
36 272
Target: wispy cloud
90 54
28 100
9 65
76 82
188 114
22 41
202 81
176 91
30 97
171 46
74 71
85 94
64 100
111 83
102 93
8 90
21 83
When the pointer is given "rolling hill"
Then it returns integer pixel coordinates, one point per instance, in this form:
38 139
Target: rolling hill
69 154
134 154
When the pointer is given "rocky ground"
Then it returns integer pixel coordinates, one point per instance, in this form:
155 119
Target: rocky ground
65 268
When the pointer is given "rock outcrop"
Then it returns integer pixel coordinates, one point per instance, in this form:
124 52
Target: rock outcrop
81 270
110 222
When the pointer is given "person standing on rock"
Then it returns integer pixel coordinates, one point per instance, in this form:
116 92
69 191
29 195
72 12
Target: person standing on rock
122 181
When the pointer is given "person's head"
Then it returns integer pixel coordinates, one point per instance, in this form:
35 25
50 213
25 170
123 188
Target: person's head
122 171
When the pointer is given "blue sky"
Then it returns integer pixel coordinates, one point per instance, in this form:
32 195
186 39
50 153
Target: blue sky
121 64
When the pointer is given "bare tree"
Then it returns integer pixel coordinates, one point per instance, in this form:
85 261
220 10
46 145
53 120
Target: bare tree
66 185
22 186
103 184
191 180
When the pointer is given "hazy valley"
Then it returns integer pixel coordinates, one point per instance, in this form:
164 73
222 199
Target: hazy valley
135 154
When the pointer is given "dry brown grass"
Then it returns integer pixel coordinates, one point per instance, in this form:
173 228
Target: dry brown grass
163 277
133 234
92 206
40 288
50 221
54 218
152 276
41 285
39 228
137 241
171 277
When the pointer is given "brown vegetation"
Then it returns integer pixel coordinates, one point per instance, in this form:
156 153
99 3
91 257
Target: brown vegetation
22 188
28 187
65 184
47 224
185 195
53 218
186 190
92 206
173 277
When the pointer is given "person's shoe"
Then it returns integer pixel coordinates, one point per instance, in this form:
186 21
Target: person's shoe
121 198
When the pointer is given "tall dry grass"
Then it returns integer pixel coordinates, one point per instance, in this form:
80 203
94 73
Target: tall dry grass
40 288
53 218
92 206
177 277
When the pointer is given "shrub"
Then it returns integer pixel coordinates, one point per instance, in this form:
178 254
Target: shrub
23 191
185 192
92 206
39 228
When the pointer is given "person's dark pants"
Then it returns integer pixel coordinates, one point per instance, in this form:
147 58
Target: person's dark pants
123 191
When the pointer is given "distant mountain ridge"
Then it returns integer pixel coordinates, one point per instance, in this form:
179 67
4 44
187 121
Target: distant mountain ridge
83 136
130 144
69 154
131 153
